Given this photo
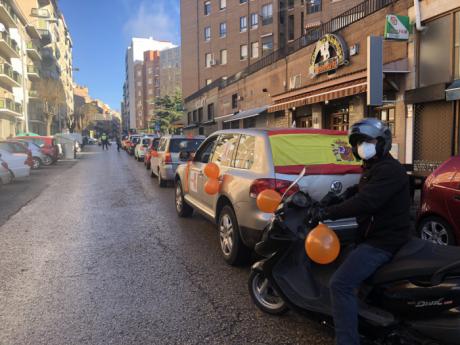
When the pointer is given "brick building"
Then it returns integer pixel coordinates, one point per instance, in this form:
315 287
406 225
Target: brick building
151 84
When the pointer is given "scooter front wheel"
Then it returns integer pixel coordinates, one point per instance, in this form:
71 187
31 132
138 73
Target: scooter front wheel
264 296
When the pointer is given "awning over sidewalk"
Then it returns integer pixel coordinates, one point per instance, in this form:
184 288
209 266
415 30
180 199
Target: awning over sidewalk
247 113
453 91
320 95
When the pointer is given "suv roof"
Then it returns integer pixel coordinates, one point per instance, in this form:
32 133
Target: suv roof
176 136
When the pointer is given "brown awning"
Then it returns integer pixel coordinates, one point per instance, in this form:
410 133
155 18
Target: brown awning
320 95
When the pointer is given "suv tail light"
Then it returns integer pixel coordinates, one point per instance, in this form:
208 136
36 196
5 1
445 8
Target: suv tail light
280 186
167 159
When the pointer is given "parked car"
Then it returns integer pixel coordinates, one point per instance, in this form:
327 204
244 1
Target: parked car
5 173
166 159
17 147
38 157
17 163
439 216
132 142
151 150
48 146
253 160
141 147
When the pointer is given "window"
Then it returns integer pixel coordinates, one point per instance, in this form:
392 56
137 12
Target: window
222 4
195 113
208 59
302 24
189 117
457 46
267 45
223 29
313 6
211 112
207 8
205 150
267 14
223 57
200 115
254 20
243 1
291 27
207 33
243 23
225 149
254 50
244 158
250 122
387 115
234 101
208 81
290 4
243 52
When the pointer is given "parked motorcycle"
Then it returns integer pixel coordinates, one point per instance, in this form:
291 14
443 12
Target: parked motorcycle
414 299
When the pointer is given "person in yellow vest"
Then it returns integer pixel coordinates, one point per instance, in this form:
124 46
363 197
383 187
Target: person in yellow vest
105 141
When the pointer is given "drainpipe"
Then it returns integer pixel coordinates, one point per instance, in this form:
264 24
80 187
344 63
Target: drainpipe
418 24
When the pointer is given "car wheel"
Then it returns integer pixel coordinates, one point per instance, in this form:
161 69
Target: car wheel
47 160
182 208
36 163
264 296
232 247
436 230
161 182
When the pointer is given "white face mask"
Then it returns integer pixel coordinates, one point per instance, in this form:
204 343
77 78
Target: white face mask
366 150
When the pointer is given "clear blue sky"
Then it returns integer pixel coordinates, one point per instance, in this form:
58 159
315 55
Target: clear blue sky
101 31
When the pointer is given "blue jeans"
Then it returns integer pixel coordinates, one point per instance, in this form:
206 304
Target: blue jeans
359 265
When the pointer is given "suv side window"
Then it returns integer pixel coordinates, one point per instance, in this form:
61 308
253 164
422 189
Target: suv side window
244 158
204 152
225 149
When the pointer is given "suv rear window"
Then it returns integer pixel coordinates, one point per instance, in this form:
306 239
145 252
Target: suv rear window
177 145
135 140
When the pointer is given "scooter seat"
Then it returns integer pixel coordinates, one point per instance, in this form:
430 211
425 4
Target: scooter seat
417 259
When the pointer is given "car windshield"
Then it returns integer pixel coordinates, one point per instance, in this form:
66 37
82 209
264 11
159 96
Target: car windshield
178 145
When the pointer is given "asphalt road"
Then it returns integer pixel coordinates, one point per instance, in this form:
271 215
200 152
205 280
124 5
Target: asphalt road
97 255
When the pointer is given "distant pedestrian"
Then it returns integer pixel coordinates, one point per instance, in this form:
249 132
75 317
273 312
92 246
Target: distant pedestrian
118 143
105 141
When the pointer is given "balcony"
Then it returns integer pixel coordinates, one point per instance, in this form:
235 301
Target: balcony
8 76
40 12
33 94
10 107
7 15
32 51
8 47
33 72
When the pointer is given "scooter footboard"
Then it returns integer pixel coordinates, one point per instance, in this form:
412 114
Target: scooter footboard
444 329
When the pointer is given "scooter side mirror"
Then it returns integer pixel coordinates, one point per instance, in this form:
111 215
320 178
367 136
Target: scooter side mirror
268 200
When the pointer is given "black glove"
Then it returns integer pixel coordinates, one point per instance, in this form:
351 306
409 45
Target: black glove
331 198
315 214
349 192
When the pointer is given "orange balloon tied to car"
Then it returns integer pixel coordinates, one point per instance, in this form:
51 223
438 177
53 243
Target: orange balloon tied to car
212 186
322 245
211 170
268 200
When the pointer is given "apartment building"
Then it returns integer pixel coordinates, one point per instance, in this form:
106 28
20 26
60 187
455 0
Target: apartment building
133 89
170 72
150 84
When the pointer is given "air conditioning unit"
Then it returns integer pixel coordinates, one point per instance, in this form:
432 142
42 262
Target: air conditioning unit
295 81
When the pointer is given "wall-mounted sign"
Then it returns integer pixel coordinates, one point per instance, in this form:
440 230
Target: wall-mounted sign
331 52
397 27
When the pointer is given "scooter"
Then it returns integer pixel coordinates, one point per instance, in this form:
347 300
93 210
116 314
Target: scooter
414 299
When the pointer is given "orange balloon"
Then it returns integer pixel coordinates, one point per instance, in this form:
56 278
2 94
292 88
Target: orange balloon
268 200
322 245
212 186
211 170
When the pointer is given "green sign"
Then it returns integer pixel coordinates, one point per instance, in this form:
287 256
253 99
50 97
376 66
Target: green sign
397 27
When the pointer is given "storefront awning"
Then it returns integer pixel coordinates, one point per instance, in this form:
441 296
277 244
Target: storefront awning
453 91
247 113
325 94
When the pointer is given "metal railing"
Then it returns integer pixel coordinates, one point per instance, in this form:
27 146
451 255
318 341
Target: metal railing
9 9
311 36
7 70
31 69
12 43
7 103
33 93
31 46
40 12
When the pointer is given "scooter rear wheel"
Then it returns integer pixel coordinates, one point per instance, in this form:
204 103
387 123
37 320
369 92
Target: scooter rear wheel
264 296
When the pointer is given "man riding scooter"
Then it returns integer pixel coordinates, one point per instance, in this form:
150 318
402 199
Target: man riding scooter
381 204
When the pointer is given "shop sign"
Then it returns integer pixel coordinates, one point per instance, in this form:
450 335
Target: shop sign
331 52
397 27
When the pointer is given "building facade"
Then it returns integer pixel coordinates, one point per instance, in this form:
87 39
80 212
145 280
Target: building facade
151 84
170 72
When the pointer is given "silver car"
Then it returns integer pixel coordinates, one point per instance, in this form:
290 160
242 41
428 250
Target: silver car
252 160
165 160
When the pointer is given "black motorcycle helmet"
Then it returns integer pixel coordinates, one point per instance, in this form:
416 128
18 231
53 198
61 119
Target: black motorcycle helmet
368 129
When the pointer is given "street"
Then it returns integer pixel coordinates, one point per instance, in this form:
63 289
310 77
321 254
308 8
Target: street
98 256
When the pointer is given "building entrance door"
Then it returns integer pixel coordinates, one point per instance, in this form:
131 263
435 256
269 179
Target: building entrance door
337 116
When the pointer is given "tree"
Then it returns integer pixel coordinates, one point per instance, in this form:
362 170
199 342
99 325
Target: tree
167 110
84 115
51 92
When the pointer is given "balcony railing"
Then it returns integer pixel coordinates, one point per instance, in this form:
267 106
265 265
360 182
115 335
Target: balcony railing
33 94
31 69
9 10
40 12
7 70
9 104
9 41
343 20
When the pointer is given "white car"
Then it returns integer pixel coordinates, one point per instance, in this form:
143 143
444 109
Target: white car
139 150
5 174
17 163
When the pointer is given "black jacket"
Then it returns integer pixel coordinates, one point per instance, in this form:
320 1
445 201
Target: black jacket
381 205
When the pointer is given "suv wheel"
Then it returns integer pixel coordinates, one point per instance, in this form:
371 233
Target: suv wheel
232 247
436 230
36 163
47 160
182 208
161 182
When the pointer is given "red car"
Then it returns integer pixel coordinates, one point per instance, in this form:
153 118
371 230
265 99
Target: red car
152 148
439 218
47 144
